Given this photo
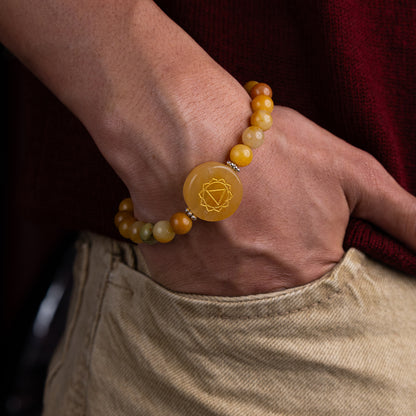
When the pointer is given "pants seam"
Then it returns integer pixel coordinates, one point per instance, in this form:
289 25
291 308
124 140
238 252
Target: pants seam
94 329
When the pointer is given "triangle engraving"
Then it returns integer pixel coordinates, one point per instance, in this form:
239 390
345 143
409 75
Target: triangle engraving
217 195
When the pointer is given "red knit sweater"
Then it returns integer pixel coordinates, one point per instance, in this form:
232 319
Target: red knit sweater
348 65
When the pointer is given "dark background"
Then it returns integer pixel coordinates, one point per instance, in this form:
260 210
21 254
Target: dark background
33 255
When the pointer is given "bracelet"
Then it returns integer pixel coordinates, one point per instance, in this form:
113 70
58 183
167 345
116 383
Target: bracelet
212 190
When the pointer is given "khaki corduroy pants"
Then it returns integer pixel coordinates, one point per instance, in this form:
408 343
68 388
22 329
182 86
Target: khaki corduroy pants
342 345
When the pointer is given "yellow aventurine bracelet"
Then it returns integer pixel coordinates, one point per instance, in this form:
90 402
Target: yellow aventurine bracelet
212 191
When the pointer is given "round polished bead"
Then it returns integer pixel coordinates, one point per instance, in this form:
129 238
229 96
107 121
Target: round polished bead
249 85
146 232
253 136
134 232
241 155
151 241
212 191
262 119
126 205
121 216
124 227
181 223
163 232
262 102
261 89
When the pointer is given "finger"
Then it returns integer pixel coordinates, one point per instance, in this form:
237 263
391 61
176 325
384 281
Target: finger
378 198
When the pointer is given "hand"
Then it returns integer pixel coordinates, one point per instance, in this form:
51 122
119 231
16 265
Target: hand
157 105
300 190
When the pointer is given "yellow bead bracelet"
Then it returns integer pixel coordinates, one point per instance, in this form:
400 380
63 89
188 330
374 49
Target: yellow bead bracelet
212 191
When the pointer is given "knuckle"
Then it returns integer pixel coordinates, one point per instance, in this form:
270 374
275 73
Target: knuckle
408 219
371 172
366 179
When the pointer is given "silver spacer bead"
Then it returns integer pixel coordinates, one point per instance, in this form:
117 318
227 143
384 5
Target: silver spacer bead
232 165
190 215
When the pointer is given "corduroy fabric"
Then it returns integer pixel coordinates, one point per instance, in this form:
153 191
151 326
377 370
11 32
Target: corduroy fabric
344 344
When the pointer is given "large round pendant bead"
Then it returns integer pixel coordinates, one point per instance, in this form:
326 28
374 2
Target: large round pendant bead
212 191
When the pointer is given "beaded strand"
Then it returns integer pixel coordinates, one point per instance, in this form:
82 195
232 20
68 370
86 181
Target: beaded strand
240 155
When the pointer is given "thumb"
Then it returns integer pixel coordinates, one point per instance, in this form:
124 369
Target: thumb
375 196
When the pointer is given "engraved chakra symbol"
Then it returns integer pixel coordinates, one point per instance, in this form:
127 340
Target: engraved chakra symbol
215 195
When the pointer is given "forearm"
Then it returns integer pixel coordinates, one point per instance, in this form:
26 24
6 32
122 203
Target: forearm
130 75
90 53
157 105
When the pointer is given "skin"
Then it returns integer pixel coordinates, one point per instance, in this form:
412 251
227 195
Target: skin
157 105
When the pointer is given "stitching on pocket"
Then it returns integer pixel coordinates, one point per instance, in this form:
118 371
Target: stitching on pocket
277 304
126 289
289 312
91 336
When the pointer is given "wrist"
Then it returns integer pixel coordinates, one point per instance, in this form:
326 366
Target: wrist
191 125
223 282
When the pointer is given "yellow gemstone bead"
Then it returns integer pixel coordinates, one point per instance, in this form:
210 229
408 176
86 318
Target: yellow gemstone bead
134 232
241 155
146 232
124 227
126 205
262 102
121 216
163 232
212 191
253 136
261 89
262 119
181 223
249 85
